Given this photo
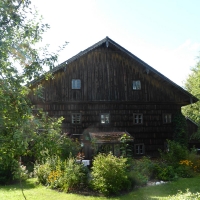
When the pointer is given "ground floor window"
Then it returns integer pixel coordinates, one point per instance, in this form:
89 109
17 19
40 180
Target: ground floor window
113 148
139 149
167 118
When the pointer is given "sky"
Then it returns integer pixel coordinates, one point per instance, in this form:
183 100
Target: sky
163 33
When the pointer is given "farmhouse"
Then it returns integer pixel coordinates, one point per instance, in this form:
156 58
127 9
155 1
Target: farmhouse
104 92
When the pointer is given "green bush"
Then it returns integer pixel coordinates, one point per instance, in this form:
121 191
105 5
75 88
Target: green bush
74 175
109 174
12 171
141 171
184 171
175 153
5 174
42 172
165 172
137 179
64 175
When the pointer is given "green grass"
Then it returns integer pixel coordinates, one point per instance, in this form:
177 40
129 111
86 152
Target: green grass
38 192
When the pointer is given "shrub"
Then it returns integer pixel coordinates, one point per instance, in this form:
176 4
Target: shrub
65 175
42 172
74 175
141 171
137 179
165 172
184 171
5 174
12 171
175 153
109 174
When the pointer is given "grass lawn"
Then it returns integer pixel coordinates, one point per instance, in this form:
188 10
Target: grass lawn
38 192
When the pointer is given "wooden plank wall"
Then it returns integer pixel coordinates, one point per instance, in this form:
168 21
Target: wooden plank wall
106 87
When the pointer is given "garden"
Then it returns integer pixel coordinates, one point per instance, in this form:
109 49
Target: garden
175 175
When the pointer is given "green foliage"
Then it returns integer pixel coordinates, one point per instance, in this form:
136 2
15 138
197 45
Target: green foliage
44 138
175 153
125 147
192 85
180 130
5 173
165 172
67 175
185 195
178 162
141 171
109 174
20 61
184 171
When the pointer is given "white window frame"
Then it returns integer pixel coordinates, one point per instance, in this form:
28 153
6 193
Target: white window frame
139 149
136 85
76 118
76 84
137 118
105 118
167 118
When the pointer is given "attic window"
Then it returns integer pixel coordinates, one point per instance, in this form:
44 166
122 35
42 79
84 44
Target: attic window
105 118
137 118
76 84
136 85
167 118
76 118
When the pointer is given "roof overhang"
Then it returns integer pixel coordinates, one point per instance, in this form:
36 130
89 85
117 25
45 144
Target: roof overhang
109 43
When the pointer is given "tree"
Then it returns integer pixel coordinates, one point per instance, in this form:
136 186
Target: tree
192 85
192 111
21 29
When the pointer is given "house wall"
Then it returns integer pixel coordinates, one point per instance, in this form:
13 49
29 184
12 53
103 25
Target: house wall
106 76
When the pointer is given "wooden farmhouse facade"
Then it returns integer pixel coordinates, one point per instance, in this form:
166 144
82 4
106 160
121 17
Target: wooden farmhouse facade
106 89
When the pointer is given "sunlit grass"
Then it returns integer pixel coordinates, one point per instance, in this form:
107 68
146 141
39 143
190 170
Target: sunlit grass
161 192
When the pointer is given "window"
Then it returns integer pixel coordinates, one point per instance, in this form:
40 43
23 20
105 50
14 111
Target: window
105 118
167 118
76 84
76 118
136 85
137 118
139 149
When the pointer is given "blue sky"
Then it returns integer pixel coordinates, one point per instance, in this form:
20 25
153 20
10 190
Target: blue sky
163 33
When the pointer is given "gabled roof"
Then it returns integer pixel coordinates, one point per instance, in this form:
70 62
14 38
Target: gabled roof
107 41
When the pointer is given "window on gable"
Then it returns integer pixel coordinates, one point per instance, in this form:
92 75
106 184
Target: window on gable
167 118
105 118
139 149
136 85
76 84
76 118
137 118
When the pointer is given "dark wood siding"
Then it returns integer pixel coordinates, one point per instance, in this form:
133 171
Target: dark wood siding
106 76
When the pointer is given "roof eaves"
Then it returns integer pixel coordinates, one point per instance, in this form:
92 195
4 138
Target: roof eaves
151 69
108 40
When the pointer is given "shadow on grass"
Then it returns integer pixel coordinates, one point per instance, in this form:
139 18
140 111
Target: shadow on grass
29 184
163 191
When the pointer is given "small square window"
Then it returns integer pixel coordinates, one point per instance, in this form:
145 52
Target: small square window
105 118
167 118
76 84
76 118
139 149
136 85
137 118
